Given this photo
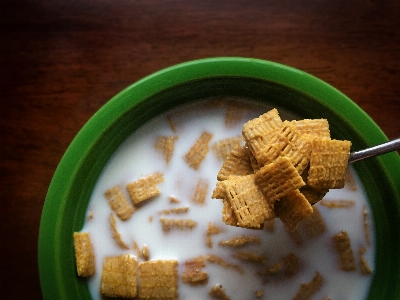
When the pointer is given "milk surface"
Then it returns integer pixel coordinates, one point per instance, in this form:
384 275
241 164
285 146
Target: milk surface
137 157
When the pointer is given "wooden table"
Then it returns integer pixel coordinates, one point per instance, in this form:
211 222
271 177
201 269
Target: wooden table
62 60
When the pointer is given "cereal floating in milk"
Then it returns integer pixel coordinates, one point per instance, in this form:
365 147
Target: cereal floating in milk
181 244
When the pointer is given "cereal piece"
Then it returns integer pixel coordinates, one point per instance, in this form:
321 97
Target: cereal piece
240 241
218 292
166 145
222 148
234 114
292 209
250 257
145 252
139 252
119 203
158 280
328 163
291 265
198 151
253 161
84 254
278 179
258 131
173 199
201 191
181 224
364 267
316 127
270 270
145 188
212 229
115 234
219 191
215 259
174 211
270 225
314 225
193 273
90 216
247 201
308 289
287 142
237 163
119 276
171 124
365 226
343 248
337 203
313 195
228 216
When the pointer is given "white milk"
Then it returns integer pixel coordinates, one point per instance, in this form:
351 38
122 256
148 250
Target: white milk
137 157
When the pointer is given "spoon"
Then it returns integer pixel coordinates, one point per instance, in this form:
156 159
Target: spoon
389 146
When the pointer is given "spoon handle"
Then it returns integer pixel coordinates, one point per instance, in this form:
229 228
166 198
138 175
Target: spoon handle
375 150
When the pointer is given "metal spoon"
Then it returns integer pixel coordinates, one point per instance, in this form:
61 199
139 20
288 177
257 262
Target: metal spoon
392 145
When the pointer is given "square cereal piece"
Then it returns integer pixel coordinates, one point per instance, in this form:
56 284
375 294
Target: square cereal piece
222 148
287 142
328 163
193 273
166 145
201 191
234 114
292 209
342 246
198 151
278 179
257 132
247 201
315 127
84 254
119 276
144 188
237 163
119 203
158 279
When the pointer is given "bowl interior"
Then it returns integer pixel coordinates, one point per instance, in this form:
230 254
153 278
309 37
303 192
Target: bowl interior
285 88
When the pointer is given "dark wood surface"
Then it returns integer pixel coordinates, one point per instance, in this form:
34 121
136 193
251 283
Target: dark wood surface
60 61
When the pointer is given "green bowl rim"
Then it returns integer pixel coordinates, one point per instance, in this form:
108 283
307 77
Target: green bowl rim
164 79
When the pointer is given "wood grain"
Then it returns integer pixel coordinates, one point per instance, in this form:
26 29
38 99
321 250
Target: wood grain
62 60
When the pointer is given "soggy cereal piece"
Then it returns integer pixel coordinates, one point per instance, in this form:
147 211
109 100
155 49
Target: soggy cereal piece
291 265
292 209
269 225
219 191
328 163
278 179
337 203
115 234
314 225
364 267
144 188
218 292
315 127
228 216
201 191
343 248
198 151
119 203
193 273
84 254
366 226
237 163
247 201
212 229
215 259
222 148
166 145
145 252
158 280
119 276
174 211
250 257
308 289
239 241
234 114
181 224
171 124
259 293
257 132
173 199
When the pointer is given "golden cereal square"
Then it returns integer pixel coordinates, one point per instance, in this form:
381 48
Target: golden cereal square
237 163
84 254
198 151
258 131
342 246
119 276
119 203
166 145
145 188
328 163
278 179
222 148
315 127
247 201
158 280
292 209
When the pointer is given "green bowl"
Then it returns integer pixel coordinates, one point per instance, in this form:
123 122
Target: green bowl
268 82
